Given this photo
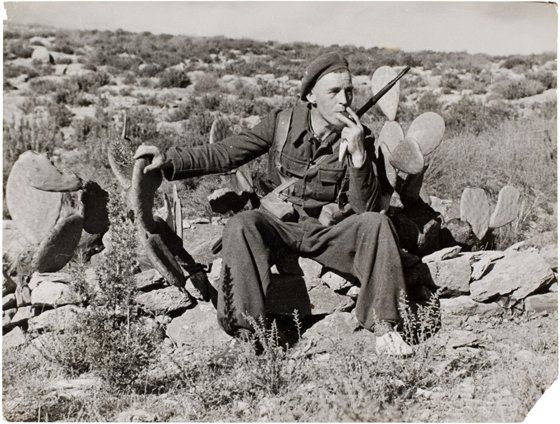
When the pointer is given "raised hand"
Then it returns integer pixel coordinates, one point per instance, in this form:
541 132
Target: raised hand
352 137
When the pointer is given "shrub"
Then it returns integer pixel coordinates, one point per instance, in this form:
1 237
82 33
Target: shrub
471 116
64 61
60 114
547 79
129 78
512 90
174 77
512 62
20 50
148 71
206 83
13 71
91 81
428 102
43 86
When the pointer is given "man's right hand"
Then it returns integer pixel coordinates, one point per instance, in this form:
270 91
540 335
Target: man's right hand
159 159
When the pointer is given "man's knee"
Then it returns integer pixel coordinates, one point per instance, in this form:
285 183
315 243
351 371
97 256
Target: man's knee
240 223
373 219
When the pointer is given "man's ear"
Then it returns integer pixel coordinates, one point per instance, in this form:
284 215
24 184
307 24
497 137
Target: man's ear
311 98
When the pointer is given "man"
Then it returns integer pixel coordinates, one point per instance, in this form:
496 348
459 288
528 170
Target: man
363 244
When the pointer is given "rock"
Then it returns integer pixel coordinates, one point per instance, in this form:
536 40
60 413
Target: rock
54 277
9 301
467 388
325 301
480 267
7 316
457 232
166 300
553 288
353 292
464 305
23 296
136 415
329 331
8 285
54 319
440 255
199 287
335 282
550 255
462 338
542 302
518 274
197 325
148 280
441 206
13 339
52 294
76 387
23 315
41 54
287 293
215 272
13 242
452 276
198 241
311 269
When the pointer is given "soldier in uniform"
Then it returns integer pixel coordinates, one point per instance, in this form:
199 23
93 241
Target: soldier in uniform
304 143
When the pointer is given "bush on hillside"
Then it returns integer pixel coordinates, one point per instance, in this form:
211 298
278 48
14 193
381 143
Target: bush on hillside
547 79
174 77
20 50
471 116
511 90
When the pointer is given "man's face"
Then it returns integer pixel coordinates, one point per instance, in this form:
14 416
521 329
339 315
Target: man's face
332 94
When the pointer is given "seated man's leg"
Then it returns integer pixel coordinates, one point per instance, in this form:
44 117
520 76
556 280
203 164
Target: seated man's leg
249 240
366 246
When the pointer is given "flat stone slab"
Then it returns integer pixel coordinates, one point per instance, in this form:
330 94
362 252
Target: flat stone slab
335 281
14 338
197 325
148 280
54 319
164 301
518 275
452 276
464 305
542 302
440 255
22 315
52 294
55 277
325 301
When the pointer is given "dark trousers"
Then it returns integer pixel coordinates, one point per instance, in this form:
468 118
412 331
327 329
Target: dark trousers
364 245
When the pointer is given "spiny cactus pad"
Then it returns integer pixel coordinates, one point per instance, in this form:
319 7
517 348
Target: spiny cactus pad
475 209
428 131
506 208
390 172
219 131
407 157
390 101
96 216
143 190
58 247
43 175
162 259
33 211
121 160
391 134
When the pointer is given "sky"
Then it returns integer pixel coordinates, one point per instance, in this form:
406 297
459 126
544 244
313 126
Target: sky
496 27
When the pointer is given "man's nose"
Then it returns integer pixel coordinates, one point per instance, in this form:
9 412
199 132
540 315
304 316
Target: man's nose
343 98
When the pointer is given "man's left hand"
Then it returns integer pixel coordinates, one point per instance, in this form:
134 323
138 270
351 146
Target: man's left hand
352 137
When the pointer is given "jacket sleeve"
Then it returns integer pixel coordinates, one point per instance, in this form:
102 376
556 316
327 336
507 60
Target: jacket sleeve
364 189
224 155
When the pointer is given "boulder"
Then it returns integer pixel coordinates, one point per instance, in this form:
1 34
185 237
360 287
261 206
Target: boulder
480 267
550 255
13 339
215 272
53 294
164 301
542 302
311 269
197 325
54 277
518 275
54 319
287 293
23 315
23 296
7 318
148 280
325 301
335 281
41 54
440 255
9 301
464 305
452 276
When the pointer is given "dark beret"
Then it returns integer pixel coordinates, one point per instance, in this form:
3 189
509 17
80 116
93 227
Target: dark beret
318 68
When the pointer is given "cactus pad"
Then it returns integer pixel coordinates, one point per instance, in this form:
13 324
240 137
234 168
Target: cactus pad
219 131
390 172
391 134
407 157
475 209
58 247
143 190
390 101
33 211
120 156
410 191
43 175
506 208
96 216
162 259
428 131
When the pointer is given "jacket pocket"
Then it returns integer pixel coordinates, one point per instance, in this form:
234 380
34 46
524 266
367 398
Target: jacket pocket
330 176
293 166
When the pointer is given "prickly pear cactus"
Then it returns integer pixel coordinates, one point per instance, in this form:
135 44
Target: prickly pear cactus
143 189
390 171
475 209
96 216
407 157
428 131
391 134
389 103
33 211
506 208
58 247
43 175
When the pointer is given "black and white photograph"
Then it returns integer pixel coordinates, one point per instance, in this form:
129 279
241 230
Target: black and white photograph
280 211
